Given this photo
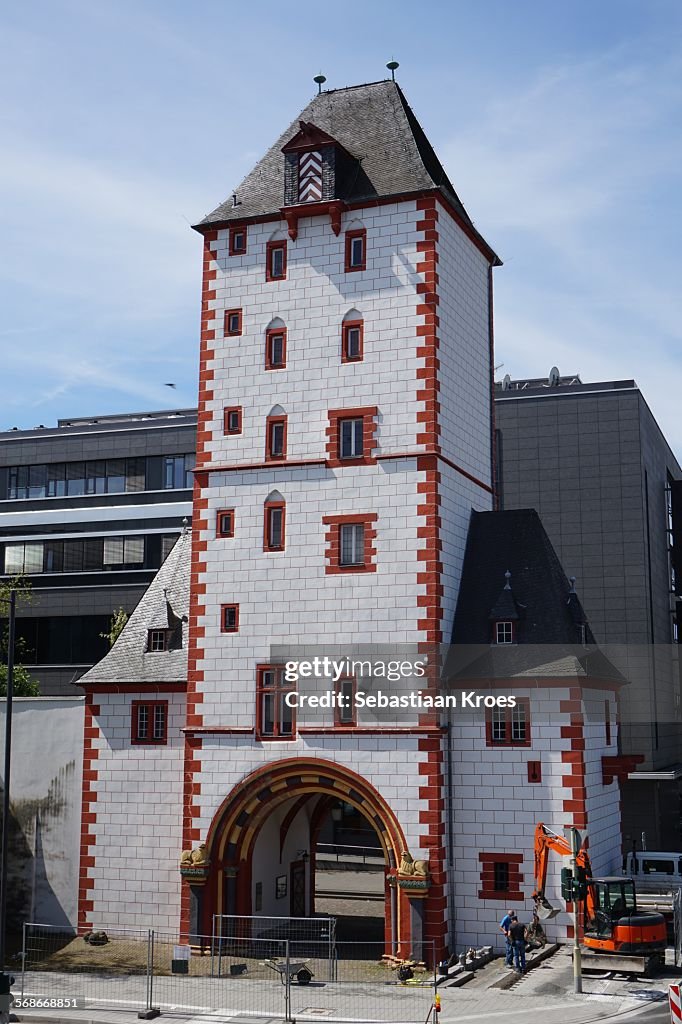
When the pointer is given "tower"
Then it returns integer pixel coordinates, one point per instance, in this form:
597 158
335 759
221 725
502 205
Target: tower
345 435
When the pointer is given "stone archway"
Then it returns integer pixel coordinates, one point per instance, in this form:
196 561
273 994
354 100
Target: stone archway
291 783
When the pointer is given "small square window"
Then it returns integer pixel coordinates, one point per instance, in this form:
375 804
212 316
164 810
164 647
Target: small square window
225 523
229 618
233 420
504 633
157 640
233 322
356 250
276 265
237 241
351 438
276 349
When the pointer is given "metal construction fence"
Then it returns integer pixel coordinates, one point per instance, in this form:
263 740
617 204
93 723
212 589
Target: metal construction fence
677 926
281 978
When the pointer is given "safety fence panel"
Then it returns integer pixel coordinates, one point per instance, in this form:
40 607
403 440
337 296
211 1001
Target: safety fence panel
230 975
62 969
365 988
677 926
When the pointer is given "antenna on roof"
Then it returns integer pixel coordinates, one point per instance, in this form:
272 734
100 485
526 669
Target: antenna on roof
554 377
393 66
320 79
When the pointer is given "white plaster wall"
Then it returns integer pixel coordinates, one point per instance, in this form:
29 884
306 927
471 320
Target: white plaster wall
138 826
45 795
267 862
464 350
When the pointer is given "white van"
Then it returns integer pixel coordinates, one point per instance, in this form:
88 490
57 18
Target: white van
654 871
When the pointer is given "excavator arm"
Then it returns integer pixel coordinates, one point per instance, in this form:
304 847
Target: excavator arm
546 840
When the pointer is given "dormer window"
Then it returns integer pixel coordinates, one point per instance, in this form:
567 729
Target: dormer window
158 640
504 632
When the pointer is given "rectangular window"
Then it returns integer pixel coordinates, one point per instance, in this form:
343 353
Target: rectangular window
232 420
237 241
501 877
75 478
274 718
351 341
233 322
136 477
14 559
56 481
509 726
276 349
276 438
344 712
352 544
149 721
504 633
116 476
229 618
168 542
225 523
157 640
356 250
274 527
37 479
276 261
351 439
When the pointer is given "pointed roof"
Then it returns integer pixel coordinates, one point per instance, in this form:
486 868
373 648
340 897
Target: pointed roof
376 126
165 605
505 608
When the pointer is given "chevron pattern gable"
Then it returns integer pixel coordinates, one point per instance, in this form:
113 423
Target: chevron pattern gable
310 177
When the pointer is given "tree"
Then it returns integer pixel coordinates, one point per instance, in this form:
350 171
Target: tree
118 621
24 685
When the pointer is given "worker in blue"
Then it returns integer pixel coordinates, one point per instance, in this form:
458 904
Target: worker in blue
505 927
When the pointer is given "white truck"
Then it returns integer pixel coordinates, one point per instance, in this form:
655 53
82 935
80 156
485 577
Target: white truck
658 877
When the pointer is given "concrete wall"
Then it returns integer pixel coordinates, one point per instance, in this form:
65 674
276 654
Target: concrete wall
45 800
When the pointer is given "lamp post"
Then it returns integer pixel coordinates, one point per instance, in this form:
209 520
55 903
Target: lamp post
577 966
4 977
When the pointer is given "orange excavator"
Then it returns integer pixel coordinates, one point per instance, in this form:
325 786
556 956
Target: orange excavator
612 924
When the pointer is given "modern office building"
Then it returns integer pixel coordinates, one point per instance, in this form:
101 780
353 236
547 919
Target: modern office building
88 511
594 463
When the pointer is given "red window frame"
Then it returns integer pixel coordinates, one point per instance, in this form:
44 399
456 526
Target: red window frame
268 508
346 327
350 237
368 415
226 416
238 329
219 530
269 249
271 333
333 539
270 422
151 706
224 609
234 231
494 717
346 718
278 689
491 865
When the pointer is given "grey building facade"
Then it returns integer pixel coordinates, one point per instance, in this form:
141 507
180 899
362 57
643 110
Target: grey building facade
88 511
591 459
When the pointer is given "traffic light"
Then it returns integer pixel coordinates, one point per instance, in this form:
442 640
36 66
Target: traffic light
580 884
566 884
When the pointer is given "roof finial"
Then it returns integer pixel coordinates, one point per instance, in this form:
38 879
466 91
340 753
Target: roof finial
185 524
320 79
507 577
572 582
393 66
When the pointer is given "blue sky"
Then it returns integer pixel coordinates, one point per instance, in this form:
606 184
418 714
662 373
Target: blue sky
124 122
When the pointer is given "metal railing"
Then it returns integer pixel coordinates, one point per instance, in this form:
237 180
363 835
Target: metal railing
350 854
156 972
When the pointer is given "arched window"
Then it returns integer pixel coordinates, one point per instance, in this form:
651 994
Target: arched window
352 337
276 435
276 345
273 522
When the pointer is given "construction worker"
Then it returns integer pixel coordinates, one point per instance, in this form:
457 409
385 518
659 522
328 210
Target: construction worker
536 937
505 925
517 934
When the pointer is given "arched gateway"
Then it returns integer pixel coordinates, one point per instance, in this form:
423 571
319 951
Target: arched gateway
280 797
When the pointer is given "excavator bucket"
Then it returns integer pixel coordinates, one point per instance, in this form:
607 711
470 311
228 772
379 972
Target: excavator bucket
545 910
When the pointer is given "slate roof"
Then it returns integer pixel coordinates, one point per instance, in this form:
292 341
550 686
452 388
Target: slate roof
165 605
375 124
552 634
